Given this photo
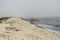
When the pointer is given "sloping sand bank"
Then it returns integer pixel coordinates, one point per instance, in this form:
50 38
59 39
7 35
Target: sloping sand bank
18 29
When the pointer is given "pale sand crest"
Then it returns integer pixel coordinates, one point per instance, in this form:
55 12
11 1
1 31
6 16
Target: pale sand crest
18 29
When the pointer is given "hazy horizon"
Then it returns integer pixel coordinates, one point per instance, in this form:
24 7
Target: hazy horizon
30 8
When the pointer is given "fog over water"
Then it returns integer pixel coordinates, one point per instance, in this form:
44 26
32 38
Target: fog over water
30 8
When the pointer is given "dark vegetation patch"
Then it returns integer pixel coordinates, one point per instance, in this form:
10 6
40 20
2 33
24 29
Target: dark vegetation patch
4 19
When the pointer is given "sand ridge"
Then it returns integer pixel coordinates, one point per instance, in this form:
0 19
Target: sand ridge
18 29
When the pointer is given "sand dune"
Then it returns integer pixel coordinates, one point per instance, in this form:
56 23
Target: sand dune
18 29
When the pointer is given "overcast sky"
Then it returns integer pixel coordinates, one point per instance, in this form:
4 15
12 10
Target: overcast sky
30 8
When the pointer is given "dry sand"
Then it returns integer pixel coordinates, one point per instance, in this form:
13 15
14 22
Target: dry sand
18 29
